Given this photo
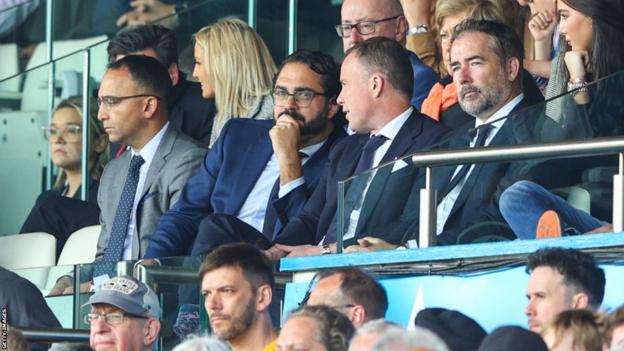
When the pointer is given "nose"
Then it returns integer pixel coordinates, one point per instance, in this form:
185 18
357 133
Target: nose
340 99
101 115
530 309
212 303
462 75
99 326
355 36
195 72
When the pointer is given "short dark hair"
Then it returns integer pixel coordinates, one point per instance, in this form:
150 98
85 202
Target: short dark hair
151 36
361 289
256 267
148 73
505 42
388 57
334 331
578 269
322 64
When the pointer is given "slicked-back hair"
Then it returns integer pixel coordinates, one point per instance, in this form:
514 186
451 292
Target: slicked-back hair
362 289
147 73
388 57
151 36
504 41
579 270
256 267
333 329
323 64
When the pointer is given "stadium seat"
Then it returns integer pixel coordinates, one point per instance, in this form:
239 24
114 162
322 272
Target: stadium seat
80 247
29 255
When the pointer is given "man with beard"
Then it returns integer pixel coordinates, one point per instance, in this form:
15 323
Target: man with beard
258 175
237 286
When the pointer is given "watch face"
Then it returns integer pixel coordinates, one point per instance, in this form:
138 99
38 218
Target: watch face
421 28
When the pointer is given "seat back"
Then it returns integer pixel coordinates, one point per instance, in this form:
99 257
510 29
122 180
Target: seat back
81 246
29 255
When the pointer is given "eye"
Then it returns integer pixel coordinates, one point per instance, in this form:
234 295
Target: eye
304 94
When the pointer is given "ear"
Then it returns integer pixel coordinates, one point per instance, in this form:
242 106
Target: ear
150 107
401 29
357 315
580 301
174 73
264 296
513 68
151 330
376 84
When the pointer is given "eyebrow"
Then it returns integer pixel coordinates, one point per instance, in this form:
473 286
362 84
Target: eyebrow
296 88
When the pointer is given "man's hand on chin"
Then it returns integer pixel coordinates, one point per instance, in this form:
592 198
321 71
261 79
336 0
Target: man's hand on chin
368 244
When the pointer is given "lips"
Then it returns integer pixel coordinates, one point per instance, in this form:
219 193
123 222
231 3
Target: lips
467 90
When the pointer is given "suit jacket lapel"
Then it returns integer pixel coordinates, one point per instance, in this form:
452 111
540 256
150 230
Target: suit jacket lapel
160 158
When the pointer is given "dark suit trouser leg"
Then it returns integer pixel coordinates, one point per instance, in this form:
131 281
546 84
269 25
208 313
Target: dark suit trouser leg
220 229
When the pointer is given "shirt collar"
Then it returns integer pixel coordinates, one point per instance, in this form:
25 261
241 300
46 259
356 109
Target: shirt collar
391 129
311 149
149 150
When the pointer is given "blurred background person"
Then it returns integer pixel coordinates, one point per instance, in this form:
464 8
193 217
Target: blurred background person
573 330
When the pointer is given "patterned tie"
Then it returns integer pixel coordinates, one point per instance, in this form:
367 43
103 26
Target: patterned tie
355 192
119 229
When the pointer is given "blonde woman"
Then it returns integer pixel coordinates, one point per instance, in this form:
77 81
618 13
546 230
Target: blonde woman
233 65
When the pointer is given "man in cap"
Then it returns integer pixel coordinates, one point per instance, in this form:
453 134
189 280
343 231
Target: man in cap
124 316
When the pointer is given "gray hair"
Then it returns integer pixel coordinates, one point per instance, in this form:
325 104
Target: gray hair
202 343
397 339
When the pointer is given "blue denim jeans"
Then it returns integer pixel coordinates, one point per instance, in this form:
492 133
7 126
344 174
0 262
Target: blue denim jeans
524 202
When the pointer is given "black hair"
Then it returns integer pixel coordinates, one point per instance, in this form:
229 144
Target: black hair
322 64
148 73
151 36
256 267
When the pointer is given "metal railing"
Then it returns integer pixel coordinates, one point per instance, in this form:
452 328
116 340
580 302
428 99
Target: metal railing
56 335
438 158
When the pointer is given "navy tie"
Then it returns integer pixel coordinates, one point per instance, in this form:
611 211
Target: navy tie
119 230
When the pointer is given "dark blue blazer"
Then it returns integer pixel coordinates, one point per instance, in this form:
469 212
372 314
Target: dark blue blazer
310 226
225 179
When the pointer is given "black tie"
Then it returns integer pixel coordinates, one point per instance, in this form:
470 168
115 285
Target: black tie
119 230
482 134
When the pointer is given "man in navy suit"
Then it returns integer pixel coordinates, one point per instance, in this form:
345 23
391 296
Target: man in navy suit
486 64
377 83
258 175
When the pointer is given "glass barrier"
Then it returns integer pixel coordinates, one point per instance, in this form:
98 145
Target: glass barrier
385 203
315 27
15 29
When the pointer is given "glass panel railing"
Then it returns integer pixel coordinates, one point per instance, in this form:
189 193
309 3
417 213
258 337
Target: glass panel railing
385 203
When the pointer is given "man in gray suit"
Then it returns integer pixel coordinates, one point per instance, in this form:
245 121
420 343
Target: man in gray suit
145 181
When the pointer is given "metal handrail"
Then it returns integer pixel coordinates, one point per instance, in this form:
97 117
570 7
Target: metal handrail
55 335
438 158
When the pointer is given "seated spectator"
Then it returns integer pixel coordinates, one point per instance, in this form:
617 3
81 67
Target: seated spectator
350 291
613 337
561 280
512 339
235 67
125 315
315 328
596 50
577 330
202 343
396 338
442 102
458 331
367 335
237 286
60 211
259 173
364 19
189 112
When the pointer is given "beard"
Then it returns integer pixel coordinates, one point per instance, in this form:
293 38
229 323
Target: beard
239 323
313 127
482 101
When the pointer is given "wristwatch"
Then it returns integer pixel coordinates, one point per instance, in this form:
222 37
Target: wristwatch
325 249
420 28
577 83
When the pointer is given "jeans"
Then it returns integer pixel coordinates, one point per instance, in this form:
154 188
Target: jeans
523 203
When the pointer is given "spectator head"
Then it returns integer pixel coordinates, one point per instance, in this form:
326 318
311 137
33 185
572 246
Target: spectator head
449 13
396 338
65 137
377 82
364 19
486 65
133 100
233 65
150 40
313 78
124 315
237 285
614 329
351 291
561 279
202 343
513 339
315 328
458 331
577 330
368 334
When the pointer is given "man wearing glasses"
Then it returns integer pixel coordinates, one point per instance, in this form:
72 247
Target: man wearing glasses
258 175
124 316
363 19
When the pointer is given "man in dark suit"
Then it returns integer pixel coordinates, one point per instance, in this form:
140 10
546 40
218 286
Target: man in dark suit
258 175
377 85
189 112
486 64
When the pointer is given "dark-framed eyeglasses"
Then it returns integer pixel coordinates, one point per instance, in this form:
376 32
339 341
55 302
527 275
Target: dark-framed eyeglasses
109 101
71 132
363 27
113 318
303 97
